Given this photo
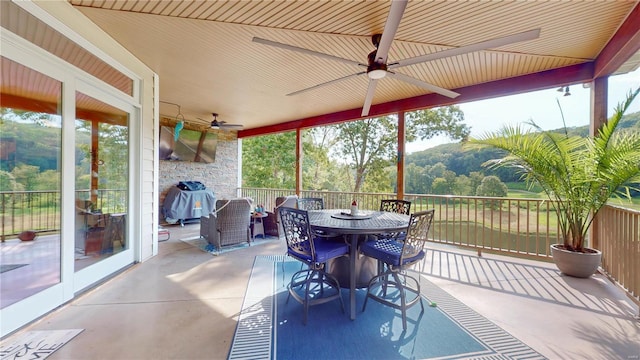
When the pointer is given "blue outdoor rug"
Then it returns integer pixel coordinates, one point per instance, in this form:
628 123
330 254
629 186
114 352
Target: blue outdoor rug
203 245
269 328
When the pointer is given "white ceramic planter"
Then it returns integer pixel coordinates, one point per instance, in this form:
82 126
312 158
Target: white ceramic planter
576 264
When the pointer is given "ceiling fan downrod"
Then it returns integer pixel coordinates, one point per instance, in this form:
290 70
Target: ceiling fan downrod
376 70
214 123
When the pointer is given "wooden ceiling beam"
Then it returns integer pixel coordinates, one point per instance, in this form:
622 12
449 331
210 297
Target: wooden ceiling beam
48 107
624 44
521 84
29 104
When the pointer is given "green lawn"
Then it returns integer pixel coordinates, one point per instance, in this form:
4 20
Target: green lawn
519 191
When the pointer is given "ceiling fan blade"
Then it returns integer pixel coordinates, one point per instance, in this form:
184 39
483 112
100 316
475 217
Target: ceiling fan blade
231 126
390 28
326 83
424 85
305 51
493 43
226 124
367 100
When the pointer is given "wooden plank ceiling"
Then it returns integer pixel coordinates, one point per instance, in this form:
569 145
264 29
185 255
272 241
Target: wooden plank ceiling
207 62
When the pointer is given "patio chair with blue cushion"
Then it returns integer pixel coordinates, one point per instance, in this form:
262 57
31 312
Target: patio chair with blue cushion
398 254
312 285
396 206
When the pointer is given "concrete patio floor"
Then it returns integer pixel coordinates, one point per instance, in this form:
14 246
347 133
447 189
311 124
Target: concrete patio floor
184 304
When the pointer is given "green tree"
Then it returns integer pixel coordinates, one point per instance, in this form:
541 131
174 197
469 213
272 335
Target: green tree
476 178
8 182
48 180
319 171
269 161
26 175
425 124
493 187
440 186
369 145
437 170
417 180
462 186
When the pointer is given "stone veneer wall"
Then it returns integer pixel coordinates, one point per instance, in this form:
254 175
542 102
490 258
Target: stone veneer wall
221 176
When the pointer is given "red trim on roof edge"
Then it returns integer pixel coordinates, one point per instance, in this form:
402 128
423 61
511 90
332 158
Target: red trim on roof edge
531 82
624 43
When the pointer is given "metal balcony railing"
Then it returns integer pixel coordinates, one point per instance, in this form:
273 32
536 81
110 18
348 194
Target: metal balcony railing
617 231
516 227
524 228
40 210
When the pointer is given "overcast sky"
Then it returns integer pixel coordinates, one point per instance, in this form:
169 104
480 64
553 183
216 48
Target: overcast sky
539 106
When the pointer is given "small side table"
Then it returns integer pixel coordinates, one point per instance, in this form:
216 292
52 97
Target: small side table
258 225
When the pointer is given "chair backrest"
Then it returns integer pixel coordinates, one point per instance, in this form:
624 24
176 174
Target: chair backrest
396 206
286 201
233 214
416 235
310 203
297 233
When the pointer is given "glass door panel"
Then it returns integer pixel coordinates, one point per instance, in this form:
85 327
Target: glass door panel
101 179
30 182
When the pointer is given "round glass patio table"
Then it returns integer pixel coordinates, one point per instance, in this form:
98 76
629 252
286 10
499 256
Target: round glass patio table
372 223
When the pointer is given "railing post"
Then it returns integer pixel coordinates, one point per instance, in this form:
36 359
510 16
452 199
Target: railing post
299 155
401 149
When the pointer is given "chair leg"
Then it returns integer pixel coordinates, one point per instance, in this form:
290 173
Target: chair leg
320 279
337 285
306 298
385 284
403 300
369 286
399 281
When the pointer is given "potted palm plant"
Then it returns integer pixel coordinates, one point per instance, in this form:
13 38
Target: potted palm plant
579 175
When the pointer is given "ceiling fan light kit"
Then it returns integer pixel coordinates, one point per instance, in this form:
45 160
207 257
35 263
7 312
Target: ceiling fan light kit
376 74
222 125
378 66
214 123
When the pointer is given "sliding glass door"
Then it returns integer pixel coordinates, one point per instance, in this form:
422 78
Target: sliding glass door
65 153
101 180
30 182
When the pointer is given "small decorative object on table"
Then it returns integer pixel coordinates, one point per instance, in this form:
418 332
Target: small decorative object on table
354 208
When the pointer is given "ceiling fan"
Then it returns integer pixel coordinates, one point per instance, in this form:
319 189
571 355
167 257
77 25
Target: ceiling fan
377 66
223 125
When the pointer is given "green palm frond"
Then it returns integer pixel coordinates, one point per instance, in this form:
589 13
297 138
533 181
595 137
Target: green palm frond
579 174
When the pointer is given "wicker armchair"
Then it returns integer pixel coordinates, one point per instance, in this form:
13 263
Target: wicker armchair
271 223
229 225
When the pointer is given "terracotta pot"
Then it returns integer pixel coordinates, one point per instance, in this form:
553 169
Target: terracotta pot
576 264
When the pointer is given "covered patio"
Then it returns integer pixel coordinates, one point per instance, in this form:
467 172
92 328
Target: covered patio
178 302
192 302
